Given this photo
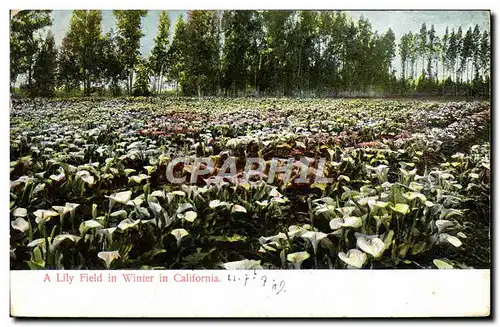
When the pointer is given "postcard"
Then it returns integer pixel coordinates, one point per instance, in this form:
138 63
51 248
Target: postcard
238 163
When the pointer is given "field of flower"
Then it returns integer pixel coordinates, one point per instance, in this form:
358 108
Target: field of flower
409 184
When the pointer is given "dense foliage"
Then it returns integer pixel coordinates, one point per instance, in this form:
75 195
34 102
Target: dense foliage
410 184
269 53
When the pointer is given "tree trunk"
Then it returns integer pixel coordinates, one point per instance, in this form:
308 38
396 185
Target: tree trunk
130 79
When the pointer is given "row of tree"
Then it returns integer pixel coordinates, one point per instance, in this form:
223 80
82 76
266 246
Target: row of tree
231 53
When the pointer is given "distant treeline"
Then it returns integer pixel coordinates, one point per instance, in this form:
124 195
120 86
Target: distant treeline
245 53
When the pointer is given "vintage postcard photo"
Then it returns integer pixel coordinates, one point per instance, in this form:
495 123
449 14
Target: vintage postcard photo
161 157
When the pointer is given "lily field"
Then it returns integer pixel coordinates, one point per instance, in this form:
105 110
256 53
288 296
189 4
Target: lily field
260 184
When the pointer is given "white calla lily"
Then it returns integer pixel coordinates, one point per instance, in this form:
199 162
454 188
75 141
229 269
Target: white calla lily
128 223
20 224
297 258
190 216
20 212
314 238
108 257
179 234
121 197
42 216
243 265
88 224
354 258
373 246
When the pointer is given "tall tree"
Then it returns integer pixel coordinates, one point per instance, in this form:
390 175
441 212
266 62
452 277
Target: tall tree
83 47
404 54
239 50
277 24
68 72
143 72
432 49
25 41
177 53
202 50
476 51
128 23
422 44
113 67
444 50
485 54
307 38
466 53
451 54
159 54
44 71
459 47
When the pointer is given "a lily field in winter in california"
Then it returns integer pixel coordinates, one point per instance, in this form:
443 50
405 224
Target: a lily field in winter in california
249 140
96 184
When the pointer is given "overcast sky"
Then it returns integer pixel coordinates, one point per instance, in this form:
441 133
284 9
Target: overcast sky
400 22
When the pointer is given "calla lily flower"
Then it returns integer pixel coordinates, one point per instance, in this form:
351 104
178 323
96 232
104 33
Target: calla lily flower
121 197
314 238
353 222
190 216
128 223
274 238
354 258
137 201
72 206
297 258
138 178
42 216
108 257
58 178
295 231
155 207
183 207
374 246
20 224
238 208
39 241
217 203
62 210
243 265
453 240
86 177
179 233
158 194
20 212
88 224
